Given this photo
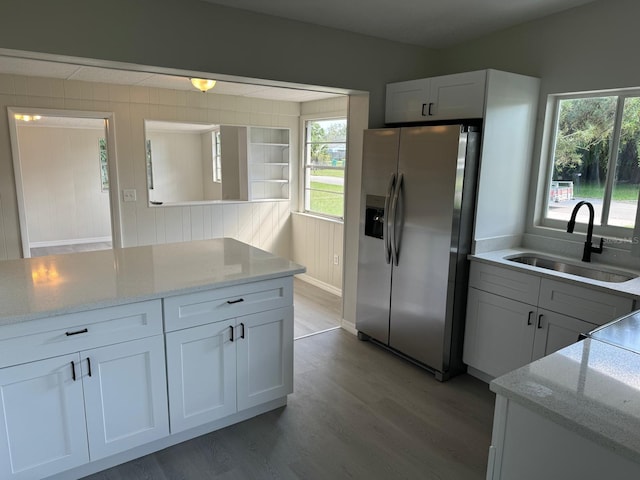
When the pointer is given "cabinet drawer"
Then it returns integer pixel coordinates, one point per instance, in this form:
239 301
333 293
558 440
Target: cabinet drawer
584 303
505 282
62 334
200 308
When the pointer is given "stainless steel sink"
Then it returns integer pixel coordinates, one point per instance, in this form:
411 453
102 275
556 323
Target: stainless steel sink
592 272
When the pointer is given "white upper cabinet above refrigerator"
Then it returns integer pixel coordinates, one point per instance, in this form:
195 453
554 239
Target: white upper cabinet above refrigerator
447 97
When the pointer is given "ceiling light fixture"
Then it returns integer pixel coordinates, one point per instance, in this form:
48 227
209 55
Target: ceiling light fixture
202 84
27 118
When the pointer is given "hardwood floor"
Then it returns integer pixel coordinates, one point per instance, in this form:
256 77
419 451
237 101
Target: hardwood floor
316 310
357 412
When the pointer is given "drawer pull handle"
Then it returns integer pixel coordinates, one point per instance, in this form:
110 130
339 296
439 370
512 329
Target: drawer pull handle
231 302
231 327
529 322
242 334
89 365
84 330
540 320
73 371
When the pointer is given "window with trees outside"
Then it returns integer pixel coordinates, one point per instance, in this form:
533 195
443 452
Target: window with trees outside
324 166
596 158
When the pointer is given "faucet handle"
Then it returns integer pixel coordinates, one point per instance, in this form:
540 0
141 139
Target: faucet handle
598 249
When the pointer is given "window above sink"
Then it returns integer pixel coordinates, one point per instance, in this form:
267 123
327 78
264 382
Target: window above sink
593 155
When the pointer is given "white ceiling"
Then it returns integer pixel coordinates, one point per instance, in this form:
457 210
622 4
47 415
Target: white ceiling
429 23
67 71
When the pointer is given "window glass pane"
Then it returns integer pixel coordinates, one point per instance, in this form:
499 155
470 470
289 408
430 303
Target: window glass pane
325 161
581 154
325 191
334 130
624 200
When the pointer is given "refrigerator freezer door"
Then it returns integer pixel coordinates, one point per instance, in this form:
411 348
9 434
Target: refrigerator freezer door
379 166
430 160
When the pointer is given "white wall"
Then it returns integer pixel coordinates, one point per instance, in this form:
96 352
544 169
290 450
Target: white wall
61 184
177 159
266 225
585 48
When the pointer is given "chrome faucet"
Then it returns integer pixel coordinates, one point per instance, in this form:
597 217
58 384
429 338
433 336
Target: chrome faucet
588 247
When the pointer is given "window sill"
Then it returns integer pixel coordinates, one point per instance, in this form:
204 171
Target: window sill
319 217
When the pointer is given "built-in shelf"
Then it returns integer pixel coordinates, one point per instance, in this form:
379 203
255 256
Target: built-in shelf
269 170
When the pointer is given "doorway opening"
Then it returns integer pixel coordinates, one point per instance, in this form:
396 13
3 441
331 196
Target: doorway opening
64 181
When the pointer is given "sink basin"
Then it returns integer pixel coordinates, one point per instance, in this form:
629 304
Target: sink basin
592 272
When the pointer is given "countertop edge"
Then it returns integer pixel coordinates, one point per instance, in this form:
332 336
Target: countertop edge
17 319
630 288
573 419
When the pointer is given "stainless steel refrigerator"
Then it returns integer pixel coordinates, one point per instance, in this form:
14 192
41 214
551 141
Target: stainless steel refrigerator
418 187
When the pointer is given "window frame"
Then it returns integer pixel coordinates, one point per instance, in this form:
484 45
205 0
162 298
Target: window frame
216 147
625 234
304 120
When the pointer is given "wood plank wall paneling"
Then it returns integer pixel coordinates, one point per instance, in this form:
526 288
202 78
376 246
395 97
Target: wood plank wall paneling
315 242
265 225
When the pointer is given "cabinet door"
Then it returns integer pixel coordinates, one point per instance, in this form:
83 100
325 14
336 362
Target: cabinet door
125 392
499 333
407 101
265 357
201 371
457 96
42 427
555 331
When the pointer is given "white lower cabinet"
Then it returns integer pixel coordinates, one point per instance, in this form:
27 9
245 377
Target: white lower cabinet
504 331
499 333
201 371
555 331
527 445
217 369
504 334
42 418
86 386
125 395
265 357
62 412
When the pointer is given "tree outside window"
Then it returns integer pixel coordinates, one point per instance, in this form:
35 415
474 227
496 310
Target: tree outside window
596 158
325 162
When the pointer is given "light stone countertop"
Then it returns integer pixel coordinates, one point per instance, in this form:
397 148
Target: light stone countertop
43 286
499 258
591 388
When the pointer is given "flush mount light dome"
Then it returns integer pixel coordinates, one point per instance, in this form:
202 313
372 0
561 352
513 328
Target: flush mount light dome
202 84
27 118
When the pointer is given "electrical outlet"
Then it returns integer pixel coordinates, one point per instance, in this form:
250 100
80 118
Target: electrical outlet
336 259
129 195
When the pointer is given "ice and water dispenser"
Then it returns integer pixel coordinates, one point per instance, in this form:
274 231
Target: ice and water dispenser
374 216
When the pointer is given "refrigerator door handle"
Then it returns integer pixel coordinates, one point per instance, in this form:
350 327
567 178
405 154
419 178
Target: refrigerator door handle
394 208
387 215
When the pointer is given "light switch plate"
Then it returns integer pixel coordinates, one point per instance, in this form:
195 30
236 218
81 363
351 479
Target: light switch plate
129 195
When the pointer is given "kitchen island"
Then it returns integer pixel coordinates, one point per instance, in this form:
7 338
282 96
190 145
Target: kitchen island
111 355
572 414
